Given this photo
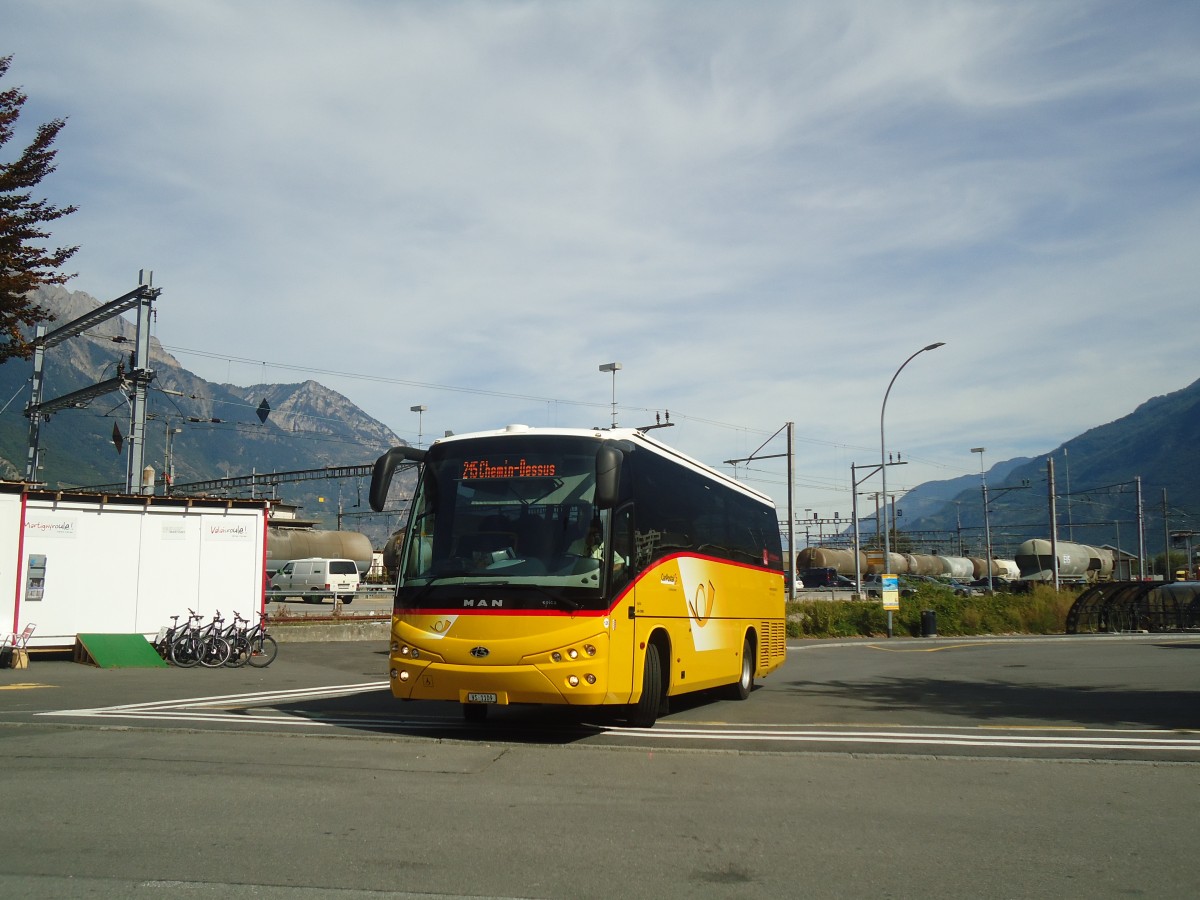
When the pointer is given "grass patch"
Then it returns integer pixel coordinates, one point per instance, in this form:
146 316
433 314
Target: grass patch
1042 611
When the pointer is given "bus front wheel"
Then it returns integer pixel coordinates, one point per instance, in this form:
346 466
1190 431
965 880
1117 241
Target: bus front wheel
644 713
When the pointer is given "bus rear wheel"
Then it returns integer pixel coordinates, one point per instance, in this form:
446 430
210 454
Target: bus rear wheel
644 713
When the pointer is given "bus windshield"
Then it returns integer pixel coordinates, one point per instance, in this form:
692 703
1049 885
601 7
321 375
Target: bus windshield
513 514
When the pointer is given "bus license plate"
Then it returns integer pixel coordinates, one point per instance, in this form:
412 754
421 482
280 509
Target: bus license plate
481 698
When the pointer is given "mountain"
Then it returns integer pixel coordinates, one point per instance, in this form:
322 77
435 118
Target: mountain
1095 480
212 430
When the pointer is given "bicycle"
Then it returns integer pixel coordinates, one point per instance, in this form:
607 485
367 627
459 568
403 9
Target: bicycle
263 648
186 648
201 645
216 648
239 642
166 637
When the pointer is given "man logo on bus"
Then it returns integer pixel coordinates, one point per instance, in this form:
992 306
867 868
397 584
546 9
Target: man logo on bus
704 600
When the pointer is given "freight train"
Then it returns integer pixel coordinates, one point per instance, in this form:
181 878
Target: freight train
964 567
1077 563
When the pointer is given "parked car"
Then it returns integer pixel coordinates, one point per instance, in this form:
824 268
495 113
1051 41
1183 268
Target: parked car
963 588
1003 585
316 578
820 577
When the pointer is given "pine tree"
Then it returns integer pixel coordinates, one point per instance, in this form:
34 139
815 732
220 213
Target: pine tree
25 263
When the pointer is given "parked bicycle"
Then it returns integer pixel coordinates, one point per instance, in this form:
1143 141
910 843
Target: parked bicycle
216 644
201 644
216 647
263 648
239 641
185 646
166 637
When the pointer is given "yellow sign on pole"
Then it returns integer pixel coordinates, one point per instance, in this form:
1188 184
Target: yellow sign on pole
891 591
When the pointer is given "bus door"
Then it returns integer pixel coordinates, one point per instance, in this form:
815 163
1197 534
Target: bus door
626 660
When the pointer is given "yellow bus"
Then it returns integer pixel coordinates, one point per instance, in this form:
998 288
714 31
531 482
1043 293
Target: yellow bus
579 567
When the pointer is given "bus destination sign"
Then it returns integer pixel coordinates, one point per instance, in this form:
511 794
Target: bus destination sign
474 469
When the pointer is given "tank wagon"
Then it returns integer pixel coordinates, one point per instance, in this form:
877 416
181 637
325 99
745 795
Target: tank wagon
391 553
284 544
1077 563
1005 568
829 557
959 566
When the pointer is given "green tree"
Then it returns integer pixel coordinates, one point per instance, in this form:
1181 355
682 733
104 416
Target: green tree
25 263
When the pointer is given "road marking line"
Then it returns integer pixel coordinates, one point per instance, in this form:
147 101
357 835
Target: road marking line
218 710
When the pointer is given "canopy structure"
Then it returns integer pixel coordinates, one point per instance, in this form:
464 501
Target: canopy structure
1136 606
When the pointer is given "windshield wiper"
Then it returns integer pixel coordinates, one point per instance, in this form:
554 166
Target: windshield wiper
427 586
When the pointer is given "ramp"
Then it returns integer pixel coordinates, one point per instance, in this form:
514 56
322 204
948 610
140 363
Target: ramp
117 651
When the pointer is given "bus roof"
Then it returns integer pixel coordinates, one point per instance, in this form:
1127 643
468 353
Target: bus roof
633 435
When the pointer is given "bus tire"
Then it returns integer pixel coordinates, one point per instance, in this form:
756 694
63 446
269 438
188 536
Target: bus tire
741 688
644 713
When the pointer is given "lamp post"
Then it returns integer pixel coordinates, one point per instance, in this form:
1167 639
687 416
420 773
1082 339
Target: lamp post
419 409
612 367
987 527
887 550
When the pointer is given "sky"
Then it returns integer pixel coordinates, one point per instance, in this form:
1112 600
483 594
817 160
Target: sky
761 210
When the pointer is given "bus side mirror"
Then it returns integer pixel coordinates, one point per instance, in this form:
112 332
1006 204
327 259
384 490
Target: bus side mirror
608 476
385 467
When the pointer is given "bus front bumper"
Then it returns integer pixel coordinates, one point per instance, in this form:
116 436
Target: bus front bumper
576 684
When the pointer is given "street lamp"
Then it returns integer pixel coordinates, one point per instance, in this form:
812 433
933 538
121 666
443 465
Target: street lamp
419 409
987 527
612 367
887 550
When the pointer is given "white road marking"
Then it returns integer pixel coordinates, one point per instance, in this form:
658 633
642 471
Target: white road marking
201 710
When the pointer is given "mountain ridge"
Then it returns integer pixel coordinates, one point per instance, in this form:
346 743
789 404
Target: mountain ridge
1096 479
211 429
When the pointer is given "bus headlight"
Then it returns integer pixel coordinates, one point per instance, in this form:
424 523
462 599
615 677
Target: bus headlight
556 656
589 678
589 649
573 680
573 653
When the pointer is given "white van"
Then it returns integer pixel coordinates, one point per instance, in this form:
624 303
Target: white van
314 579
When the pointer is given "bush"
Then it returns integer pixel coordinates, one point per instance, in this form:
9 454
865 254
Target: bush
1041 611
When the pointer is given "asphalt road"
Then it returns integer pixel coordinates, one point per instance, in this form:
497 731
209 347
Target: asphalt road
1033 767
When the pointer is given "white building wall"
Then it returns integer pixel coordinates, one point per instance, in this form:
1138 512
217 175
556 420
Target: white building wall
122 568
